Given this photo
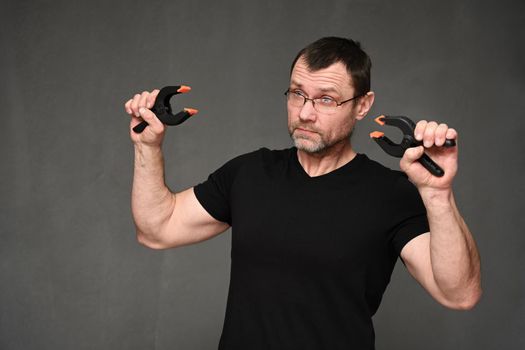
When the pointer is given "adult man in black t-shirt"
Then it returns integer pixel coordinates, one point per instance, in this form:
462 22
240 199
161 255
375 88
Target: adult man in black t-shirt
310 261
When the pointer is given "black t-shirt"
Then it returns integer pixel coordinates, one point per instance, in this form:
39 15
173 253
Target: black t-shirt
311 256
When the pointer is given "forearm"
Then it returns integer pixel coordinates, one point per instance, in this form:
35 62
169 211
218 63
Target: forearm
454 256
151 201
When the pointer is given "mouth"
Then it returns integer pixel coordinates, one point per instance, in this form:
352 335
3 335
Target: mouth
305 131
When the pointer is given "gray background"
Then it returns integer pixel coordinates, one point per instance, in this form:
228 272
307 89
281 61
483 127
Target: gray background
72 275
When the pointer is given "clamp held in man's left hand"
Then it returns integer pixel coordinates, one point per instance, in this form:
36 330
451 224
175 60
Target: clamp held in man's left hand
407 126
162 108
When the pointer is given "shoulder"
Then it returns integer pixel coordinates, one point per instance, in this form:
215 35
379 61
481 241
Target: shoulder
261 156
378 171
386 180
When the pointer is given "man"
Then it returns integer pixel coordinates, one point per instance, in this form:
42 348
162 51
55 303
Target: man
317 228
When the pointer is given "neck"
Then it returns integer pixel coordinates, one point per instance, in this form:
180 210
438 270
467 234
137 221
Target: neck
326 161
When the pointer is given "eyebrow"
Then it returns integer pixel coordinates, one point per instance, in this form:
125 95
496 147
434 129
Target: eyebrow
324 89
294 83
329 89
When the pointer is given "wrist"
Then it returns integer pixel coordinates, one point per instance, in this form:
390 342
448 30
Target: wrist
148 155
436 196
144 148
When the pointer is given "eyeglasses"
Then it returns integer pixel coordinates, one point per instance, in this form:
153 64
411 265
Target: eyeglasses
325 104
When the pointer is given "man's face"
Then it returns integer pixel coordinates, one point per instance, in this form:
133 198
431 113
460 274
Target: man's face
315 132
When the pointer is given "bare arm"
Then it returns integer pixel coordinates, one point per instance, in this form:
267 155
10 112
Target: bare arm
444 261
163 219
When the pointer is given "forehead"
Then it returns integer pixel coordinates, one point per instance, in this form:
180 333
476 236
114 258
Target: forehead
334 77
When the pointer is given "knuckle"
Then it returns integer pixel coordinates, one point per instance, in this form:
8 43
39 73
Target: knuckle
432 127
421 124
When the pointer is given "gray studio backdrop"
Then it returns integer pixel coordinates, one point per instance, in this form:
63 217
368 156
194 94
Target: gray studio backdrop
72 275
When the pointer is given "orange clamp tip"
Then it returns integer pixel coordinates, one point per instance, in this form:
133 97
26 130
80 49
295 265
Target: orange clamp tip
380 120
377 134
191 111
183 89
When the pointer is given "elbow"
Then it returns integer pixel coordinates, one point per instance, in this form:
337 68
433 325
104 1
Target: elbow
150 243
471 302
468 302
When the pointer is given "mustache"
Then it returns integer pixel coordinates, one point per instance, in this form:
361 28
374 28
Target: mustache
304 127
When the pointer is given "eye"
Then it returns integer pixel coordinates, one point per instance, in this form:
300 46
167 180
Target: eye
327 100
298 93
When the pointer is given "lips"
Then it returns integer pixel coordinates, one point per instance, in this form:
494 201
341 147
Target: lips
305 130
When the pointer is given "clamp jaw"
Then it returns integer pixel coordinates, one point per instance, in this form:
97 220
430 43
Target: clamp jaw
407 126
162 108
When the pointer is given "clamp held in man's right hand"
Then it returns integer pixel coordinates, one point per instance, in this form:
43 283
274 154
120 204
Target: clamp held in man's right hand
407 126
163 111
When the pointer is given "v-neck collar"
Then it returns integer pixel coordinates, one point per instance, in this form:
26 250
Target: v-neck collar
352 164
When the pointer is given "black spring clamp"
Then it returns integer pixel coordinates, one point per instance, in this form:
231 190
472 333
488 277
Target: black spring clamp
407 126
163 111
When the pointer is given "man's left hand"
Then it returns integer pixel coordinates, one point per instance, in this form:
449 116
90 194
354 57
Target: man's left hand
433 136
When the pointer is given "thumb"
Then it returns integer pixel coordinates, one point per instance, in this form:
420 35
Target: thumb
411 155
154 123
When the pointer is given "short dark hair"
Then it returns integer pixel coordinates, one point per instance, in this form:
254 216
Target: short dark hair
329 50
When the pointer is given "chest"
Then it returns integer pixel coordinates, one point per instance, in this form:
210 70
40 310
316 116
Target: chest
328 225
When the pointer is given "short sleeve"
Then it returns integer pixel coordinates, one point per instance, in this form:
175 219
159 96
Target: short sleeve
410 213
214 194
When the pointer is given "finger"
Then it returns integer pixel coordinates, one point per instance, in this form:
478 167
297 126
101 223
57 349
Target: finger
441 132
429 134
452 134
144 100
420 129
135 105
411 155
127 106
151 98
155 124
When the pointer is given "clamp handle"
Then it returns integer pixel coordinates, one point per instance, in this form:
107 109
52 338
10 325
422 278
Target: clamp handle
431 166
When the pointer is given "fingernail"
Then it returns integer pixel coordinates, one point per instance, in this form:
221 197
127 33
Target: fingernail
142 110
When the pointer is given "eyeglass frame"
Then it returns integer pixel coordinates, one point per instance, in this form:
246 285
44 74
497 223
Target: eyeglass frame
318 98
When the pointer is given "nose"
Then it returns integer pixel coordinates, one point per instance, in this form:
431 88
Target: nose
308 111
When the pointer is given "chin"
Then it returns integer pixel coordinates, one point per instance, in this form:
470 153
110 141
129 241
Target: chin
308 146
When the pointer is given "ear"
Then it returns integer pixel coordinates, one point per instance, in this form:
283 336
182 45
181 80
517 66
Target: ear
364 105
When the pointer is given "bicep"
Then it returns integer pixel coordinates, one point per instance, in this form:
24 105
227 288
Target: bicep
416 256
190 223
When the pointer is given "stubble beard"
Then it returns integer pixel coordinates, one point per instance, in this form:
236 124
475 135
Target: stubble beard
319 146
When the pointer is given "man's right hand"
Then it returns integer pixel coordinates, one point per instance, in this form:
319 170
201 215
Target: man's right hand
139 109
